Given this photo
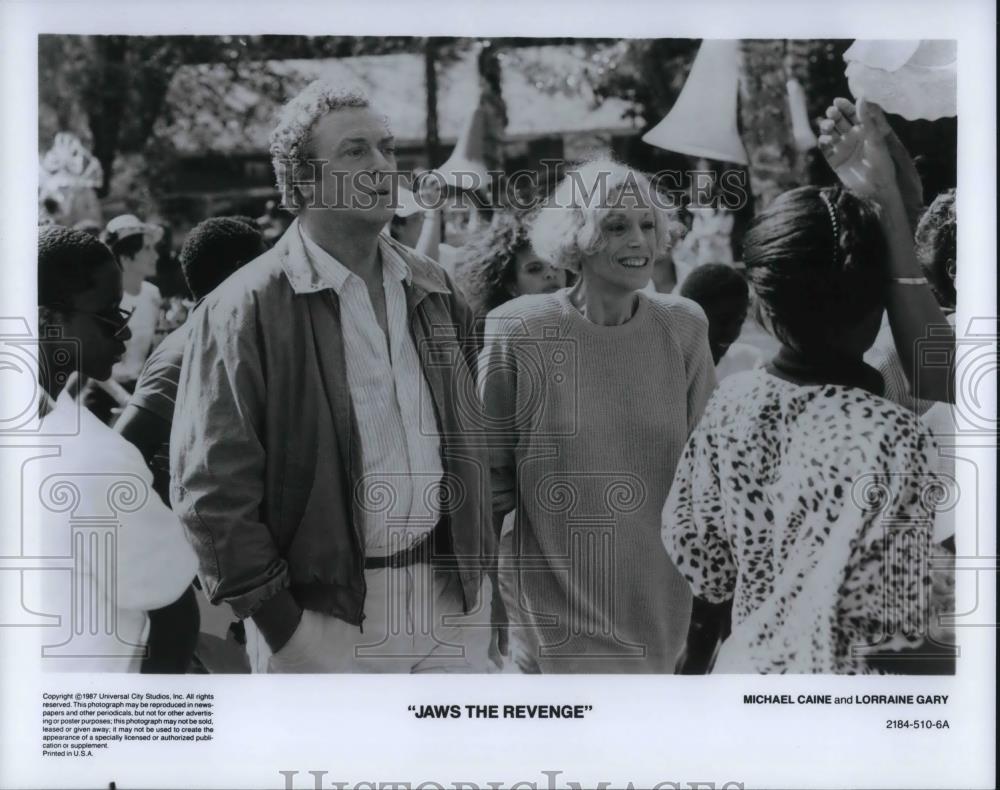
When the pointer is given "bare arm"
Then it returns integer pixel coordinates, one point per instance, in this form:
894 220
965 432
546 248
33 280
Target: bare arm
923 337
857 150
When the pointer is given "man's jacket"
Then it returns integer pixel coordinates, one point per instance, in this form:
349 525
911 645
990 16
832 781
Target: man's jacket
265 452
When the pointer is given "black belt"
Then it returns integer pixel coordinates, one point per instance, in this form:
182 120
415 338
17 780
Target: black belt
420 551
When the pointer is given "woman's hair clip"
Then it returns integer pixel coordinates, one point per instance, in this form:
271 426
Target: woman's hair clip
832 211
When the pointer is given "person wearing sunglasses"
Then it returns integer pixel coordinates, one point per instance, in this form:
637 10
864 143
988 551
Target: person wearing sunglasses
83 333
133 243
79 298
115 321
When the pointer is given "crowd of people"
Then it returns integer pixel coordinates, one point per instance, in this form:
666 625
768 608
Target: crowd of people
393 438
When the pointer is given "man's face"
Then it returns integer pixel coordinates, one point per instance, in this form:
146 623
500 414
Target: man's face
94 320
360 156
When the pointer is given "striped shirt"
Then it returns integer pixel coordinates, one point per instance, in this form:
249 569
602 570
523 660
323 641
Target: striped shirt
399 489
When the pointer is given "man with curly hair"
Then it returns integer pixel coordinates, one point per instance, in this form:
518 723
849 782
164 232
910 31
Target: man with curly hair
323 454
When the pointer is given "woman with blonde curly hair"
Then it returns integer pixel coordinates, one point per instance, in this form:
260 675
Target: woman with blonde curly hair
500 264
591 392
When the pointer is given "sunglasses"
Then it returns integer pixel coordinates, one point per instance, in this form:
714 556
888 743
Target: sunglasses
117 319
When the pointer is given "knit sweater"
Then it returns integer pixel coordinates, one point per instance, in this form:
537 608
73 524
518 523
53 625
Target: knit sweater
588 423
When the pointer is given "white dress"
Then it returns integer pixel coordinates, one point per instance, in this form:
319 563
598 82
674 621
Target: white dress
113 550
142 324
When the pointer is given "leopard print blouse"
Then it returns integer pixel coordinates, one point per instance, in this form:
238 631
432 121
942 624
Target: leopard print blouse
811 507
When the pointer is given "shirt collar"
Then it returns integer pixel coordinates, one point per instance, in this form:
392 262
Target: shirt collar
335 275
393 263
306 277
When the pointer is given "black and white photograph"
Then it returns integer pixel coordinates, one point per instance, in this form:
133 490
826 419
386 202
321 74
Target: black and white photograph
540 361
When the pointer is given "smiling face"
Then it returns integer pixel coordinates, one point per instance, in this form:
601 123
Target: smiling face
625 263
360 156
532 275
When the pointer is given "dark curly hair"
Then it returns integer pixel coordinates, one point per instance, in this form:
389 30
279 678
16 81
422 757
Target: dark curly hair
716 283
67 261
214 249
936 247
807 280
246 220
486 264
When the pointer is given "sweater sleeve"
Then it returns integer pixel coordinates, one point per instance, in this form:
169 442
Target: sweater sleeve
692 326
701 378
497 382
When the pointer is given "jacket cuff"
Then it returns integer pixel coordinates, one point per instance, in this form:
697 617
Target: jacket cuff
277 618
246 604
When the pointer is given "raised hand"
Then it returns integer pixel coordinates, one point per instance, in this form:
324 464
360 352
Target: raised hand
859 146
856 148
911 188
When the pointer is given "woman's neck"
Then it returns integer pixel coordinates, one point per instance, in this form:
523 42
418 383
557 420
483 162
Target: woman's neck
603 307
831 366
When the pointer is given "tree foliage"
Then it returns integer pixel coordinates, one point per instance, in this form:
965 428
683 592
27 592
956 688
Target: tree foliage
111 90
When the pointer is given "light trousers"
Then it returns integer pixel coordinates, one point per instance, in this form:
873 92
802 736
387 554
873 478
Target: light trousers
414 622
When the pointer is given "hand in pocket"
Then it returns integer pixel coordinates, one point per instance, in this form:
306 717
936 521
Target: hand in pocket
320 644
295 655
